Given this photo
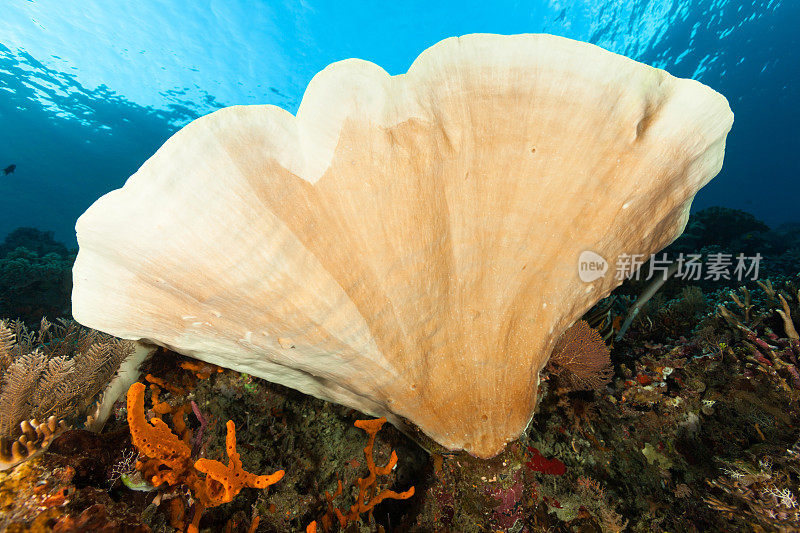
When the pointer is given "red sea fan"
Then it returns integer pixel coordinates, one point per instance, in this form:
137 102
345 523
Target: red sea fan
581 359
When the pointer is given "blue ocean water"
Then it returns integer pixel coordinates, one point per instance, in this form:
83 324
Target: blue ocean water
89 90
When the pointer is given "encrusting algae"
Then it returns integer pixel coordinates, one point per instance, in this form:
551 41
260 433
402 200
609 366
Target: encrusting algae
168 459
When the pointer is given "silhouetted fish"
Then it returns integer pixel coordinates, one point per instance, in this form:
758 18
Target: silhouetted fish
9 170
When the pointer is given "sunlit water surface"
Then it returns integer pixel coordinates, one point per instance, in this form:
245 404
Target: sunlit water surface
90 89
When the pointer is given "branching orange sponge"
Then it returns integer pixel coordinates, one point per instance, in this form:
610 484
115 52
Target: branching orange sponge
223 483
168 459
368 495
367 487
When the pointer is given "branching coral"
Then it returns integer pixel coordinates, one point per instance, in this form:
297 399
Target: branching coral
167 459
51 375
786 315
762 496
368 494
768 351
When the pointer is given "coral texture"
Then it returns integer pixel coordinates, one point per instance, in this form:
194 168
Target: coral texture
581 358
407 245
52 376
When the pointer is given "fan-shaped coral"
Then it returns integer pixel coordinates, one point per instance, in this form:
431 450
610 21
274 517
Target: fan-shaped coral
407 245
581 358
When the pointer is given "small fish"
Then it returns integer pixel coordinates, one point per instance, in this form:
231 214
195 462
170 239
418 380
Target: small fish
9 170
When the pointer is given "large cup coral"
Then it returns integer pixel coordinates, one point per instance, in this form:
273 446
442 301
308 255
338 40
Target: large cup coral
407 245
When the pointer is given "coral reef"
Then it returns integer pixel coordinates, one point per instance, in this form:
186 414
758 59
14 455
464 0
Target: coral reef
717 225
703 382
65 489
368 494
52 375
35 276
166 458
760 494
696 430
